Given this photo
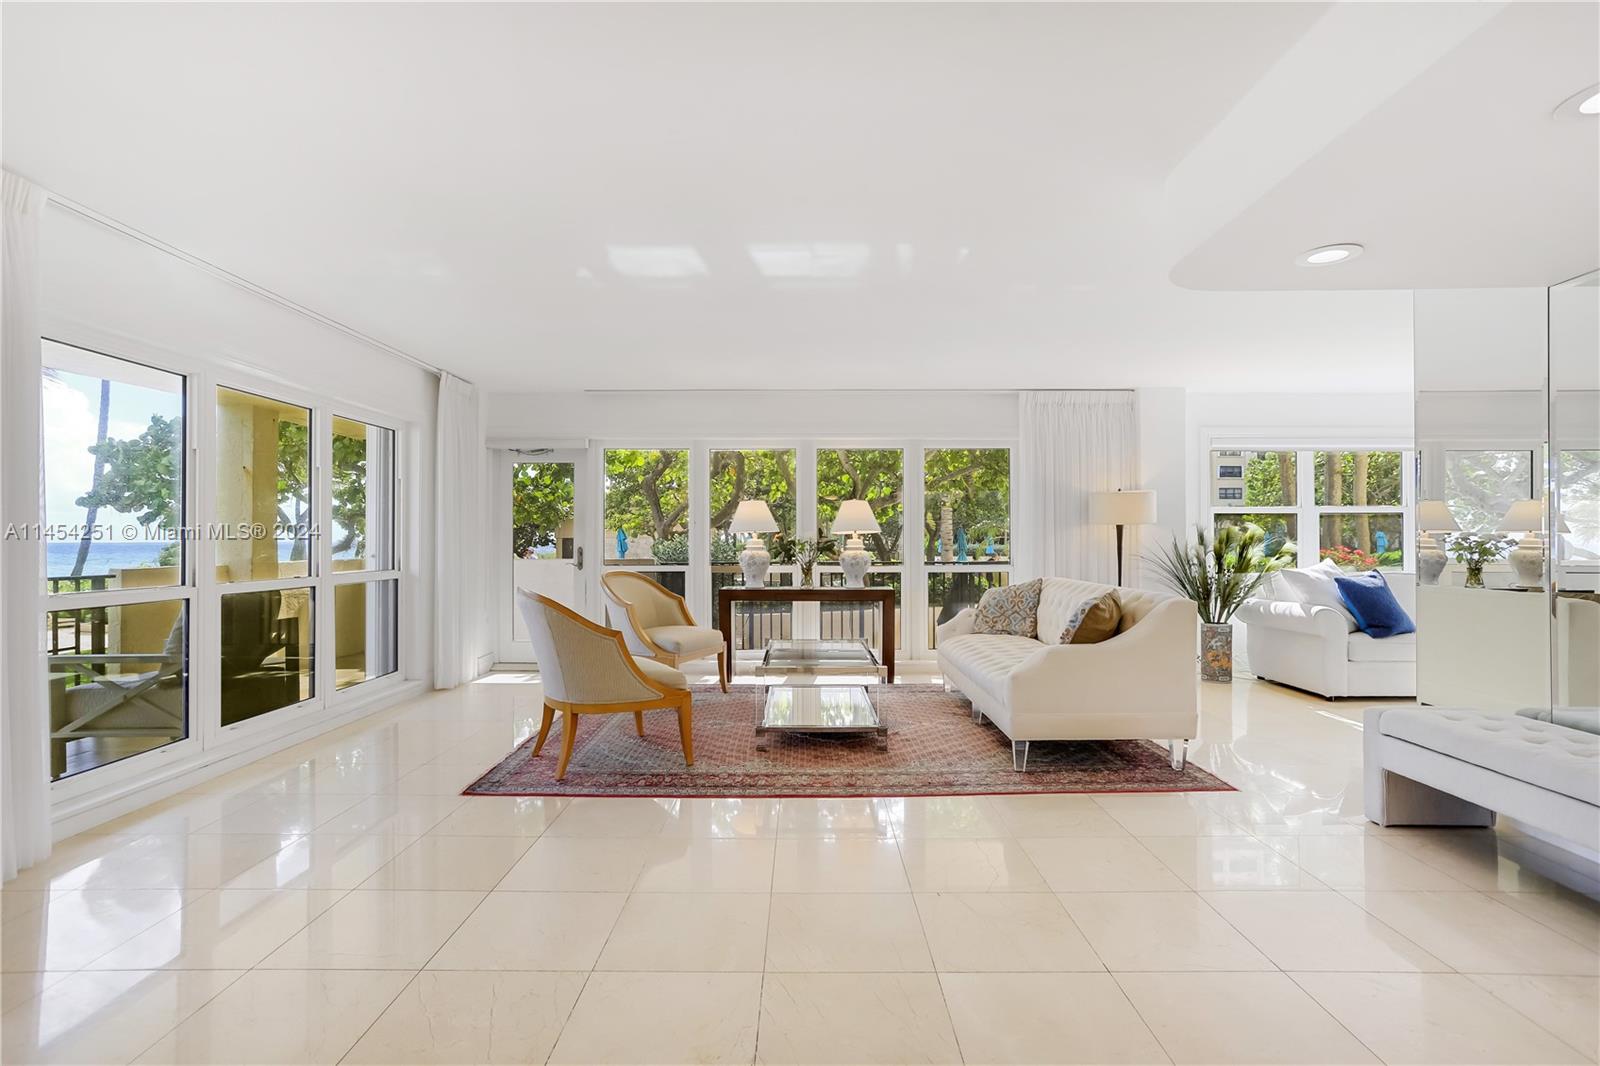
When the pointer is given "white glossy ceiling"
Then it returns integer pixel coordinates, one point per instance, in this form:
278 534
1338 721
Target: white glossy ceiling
674 196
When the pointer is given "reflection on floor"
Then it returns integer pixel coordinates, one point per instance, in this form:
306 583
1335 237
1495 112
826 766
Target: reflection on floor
342 902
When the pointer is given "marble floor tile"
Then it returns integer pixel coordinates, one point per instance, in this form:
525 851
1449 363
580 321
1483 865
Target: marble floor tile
1432 1018
1319 931
579 864
68 930
438 779
836 818
700 932
1002 931
1362 861
290 815
629 1018
1100 864
1225 863
532 931
733 819
163 861
943 865
322 862
434 863
500 816
1263 1018
867 1018
845 865
1168 815
1046 1018
454 1017
818 933
230 929
401 816
367 930
707 864
299 1017
20 987
592 817
1162 931
1568 913
112 1016
946 817
1475 934
1566 1007
1056 816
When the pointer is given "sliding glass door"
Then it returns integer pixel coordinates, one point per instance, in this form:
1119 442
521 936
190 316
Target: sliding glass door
541 498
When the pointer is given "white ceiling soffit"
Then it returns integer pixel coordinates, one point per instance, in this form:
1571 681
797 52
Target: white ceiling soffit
1425 133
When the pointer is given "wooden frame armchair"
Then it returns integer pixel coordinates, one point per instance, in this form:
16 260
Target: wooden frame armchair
587 669
656 623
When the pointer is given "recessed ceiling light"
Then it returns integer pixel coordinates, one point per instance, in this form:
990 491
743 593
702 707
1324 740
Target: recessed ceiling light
1585 104
1328 253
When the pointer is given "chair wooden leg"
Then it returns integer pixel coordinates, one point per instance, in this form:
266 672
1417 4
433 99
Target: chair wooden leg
544 728
686 730
569 732
638 722
722 670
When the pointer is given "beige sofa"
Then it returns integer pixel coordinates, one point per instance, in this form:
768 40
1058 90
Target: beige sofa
1139 684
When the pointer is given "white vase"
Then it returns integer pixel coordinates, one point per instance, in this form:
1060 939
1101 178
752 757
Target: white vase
1527 560
755 561
855 561
1430 564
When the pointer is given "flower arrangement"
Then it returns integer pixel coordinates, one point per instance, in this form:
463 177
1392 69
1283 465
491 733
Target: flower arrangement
1348 558
799 551
1475 550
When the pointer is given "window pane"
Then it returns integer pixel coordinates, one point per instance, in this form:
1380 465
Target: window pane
1362 541
967 493
751 474
266 651
876 475
1281 529
363 496
263 488
1481 486
1252 479
647 507
365 623
542 511
113 471
1358 479
1579 493
118 682
949 593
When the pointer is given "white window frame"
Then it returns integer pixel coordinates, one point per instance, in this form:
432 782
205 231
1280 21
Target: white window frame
208 740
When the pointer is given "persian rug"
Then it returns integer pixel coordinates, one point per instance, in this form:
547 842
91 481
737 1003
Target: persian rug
935 749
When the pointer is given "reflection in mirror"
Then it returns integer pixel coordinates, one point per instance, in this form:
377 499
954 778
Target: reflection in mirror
1481 420
1575 498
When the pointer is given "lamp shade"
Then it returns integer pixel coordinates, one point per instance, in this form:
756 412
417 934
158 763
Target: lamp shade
1134 507
1524 516
855 516
753 516
1434 515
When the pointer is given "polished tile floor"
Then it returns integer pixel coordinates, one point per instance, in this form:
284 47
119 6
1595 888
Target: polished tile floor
341 902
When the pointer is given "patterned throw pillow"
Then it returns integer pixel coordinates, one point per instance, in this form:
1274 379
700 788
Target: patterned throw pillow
1013 610
1093 620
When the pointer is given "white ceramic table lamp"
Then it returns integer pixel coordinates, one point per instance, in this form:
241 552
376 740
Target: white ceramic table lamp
1433 516
855 517
755 518
1528 557
1133 507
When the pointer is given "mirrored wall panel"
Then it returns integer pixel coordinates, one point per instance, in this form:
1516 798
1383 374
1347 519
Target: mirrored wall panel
1574 529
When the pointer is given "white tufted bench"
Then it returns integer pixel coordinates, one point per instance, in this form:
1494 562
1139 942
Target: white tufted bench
1445 766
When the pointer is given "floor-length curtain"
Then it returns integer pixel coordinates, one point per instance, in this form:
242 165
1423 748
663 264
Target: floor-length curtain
24 732
1072 444
460 514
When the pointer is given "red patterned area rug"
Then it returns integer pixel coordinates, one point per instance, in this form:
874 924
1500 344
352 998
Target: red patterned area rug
935 749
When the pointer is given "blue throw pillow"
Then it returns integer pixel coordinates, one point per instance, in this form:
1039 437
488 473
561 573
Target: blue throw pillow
1377 612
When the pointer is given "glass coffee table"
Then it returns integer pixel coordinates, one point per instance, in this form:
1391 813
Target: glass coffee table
819 709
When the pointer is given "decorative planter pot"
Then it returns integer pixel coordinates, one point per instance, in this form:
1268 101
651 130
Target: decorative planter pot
754 561
1216 651
1430 564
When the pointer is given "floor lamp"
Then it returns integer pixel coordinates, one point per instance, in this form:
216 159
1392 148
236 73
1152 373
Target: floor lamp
1135 507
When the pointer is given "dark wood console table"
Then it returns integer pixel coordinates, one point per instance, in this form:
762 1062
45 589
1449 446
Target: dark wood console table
883 597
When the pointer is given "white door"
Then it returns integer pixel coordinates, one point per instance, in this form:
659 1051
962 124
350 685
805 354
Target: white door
544 515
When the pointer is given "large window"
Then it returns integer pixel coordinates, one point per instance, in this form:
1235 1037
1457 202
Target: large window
646 521
117 628
1347 505
876 475
736 475
1481 485
366 593
966 527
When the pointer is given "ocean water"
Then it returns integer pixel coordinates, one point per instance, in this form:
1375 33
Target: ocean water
107 555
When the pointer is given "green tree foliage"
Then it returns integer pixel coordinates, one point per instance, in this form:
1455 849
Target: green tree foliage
541 501
647 491
876 475
756 474
977 481
140 476
350 493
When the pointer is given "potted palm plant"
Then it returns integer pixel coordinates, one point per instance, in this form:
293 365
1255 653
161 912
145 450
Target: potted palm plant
1219 573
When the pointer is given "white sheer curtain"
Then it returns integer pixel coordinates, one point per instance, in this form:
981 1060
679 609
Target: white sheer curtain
460 520
1072 444
24 732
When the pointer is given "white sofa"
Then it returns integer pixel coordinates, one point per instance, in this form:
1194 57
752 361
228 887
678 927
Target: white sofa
1138 684
1445 766
1319 649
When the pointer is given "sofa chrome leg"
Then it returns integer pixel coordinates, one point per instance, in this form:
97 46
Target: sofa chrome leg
1019 755
977 715
1180 753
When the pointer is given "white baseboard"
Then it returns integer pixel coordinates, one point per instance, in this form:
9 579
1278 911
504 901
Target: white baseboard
89 809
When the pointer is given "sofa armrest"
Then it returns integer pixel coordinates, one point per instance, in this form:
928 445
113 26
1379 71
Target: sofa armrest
1149 666
1294 617
959 626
